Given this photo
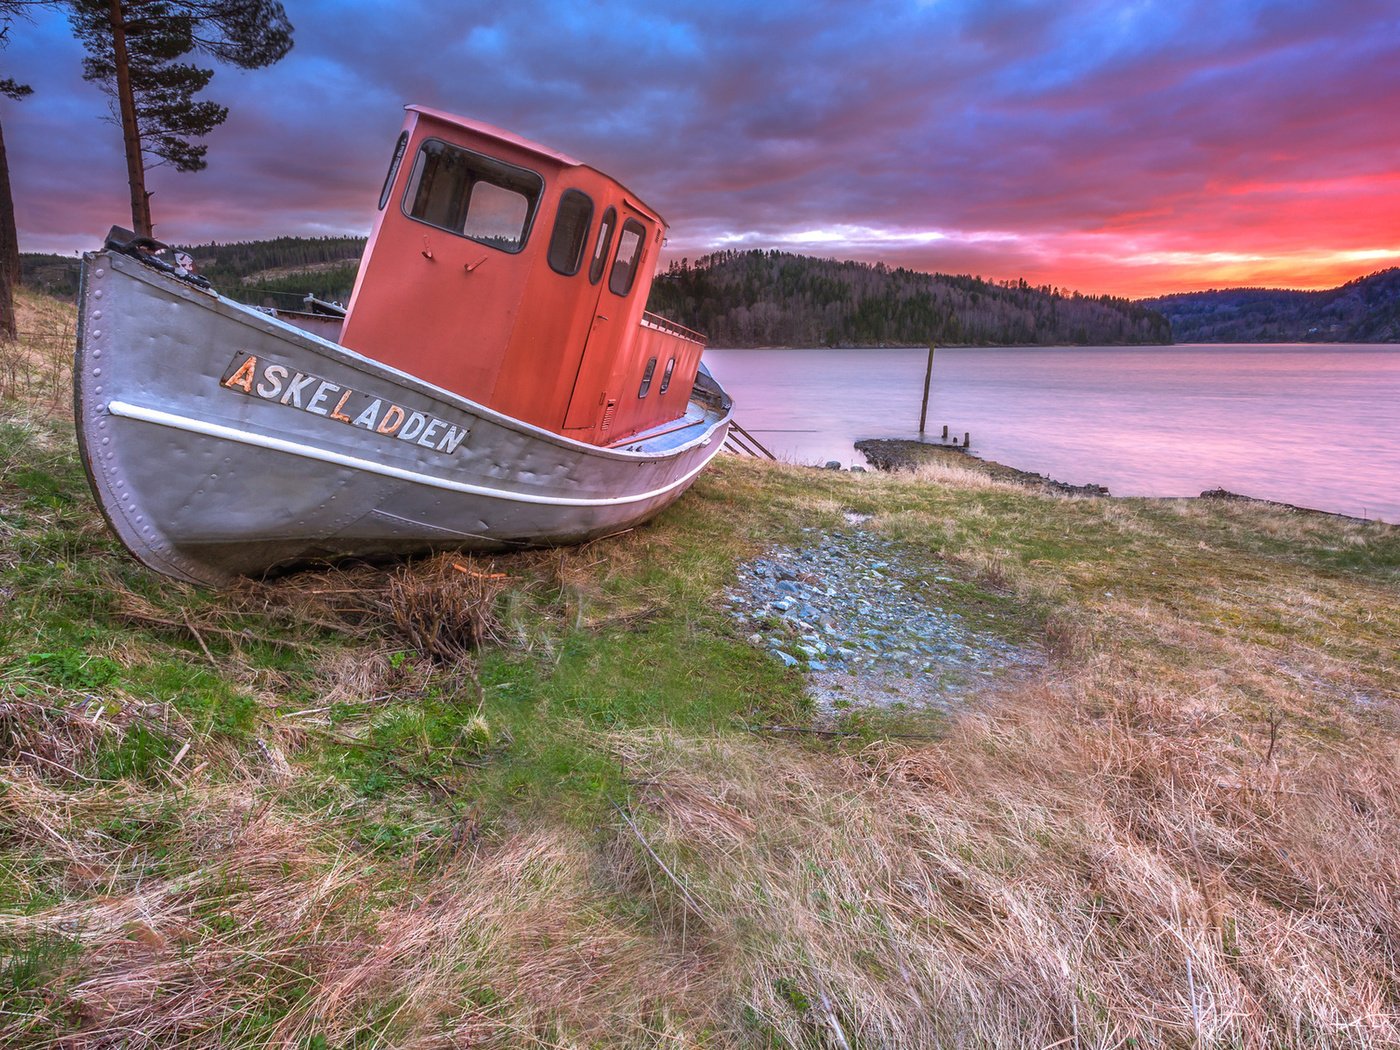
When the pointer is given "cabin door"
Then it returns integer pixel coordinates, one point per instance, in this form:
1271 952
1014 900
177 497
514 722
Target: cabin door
592 404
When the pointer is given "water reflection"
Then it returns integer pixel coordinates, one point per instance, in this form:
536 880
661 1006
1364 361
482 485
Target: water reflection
1317 426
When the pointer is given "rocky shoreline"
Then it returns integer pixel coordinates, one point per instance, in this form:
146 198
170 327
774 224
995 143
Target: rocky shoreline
889 454
873 626
870 624
906 454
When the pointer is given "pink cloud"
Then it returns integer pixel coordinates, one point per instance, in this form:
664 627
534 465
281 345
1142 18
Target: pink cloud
1125 149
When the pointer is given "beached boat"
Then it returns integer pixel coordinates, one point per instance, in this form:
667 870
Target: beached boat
495 380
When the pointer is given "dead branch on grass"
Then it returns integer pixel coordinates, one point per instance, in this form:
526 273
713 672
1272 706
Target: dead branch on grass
445 611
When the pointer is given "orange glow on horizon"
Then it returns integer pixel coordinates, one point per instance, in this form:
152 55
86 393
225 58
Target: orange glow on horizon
1313 227
1105 264
1143 278
1305 235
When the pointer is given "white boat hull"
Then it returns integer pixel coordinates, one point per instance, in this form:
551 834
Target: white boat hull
221 441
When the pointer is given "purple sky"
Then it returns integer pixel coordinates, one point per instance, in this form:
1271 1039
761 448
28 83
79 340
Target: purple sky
1129 148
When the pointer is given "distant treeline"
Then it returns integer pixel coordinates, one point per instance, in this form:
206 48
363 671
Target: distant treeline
772 298
278 272
1366 310
55 275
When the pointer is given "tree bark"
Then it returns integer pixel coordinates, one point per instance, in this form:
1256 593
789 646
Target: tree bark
131 133
9 248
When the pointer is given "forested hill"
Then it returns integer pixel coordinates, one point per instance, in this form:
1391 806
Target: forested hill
282 271
771 298
279 272
1366 310
754 298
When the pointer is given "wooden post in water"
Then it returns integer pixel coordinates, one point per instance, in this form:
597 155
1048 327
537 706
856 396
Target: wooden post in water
945 431
928 375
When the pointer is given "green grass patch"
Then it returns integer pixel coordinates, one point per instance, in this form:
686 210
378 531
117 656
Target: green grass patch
526 734
336 786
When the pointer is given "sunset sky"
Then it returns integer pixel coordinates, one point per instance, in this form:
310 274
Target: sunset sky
1132 148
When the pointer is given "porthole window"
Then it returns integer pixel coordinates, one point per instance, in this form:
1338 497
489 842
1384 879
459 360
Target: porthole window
600 251
570 236
471 195
394 163
666 375
629 253
646 378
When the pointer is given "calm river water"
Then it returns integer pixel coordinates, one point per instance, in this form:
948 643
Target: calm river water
1317 426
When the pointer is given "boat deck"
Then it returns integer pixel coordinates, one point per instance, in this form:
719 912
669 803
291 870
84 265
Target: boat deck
672 434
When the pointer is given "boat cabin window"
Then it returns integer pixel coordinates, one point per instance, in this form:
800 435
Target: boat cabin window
629 252
600 252
666 375
570 235
646 378
487 200
394 163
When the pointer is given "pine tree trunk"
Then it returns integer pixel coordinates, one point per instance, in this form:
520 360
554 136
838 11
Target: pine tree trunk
131 134
9 248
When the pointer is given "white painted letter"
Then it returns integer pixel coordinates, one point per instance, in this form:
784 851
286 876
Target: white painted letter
411 429
369 415
428 439
295 387
271 385
451 440
322 395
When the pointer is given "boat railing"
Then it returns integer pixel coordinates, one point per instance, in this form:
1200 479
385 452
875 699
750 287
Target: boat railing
652 320
740 442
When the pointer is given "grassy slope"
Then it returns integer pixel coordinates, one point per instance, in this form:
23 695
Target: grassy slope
267 817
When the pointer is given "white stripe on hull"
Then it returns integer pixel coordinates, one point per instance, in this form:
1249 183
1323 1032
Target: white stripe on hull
199 426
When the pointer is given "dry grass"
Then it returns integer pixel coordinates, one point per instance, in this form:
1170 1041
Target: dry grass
1184 833
1093 861
1088 864
509 944
37 368
40 733
939 472
446 611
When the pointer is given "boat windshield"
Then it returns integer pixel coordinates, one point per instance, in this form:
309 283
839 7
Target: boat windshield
629 250
570 235
472 195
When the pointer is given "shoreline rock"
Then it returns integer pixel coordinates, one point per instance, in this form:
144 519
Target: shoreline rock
869 623
893 454
890 454
1226 496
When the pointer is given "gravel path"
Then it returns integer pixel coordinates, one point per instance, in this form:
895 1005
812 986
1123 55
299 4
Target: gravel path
869 625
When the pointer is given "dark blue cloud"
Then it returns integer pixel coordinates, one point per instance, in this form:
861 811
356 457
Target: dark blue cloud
1071 142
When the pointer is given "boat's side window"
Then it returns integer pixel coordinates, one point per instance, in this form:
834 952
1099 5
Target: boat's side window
666 375
600 251
646 378
629 253
393 170
475 196
570 235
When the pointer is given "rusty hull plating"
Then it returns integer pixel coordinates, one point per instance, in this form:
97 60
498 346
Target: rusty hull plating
496 381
